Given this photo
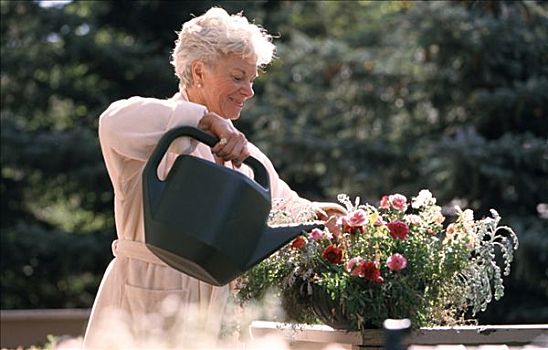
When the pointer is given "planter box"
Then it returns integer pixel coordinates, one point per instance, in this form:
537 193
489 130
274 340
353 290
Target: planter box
319 337
24 328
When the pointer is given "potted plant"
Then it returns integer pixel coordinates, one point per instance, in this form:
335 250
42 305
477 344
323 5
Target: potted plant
394 260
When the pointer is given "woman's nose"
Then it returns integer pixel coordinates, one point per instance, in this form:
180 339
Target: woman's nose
247 90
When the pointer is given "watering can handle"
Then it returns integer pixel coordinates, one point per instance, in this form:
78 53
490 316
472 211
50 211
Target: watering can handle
259 171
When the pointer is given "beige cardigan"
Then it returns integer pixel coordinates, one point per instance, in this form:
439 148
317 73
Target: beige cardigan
136 283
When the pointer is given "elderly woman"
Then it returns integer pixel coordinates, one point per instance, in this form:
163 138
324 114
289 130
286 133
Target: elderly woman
216 59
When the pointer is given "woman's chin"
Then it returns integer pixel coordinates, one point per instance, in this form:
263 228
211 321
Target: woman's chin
233 116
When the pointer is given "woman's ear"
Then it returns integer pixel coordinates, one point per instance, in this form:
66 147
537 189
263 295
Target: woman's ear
197 68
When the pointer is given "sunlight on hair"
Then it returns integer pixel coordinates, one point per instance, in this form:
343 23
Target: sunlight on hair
215 34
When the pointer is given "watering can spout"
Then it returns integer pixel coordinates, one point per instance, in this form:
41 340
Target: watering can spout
273 238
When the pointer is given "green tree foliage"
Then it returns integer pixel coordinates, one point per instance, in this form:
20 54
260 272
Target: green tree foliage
54 186
443 95
366 98
61 67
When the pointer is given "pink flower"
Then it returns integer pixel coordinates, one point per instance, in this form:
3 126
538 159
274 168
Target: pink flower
439 218
451 229
396 262
350 228
398 202
385 203
357 218
398 229
355 266
316 234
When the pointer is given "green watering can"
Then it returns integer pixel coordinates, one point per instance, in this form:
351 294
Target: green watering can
206 220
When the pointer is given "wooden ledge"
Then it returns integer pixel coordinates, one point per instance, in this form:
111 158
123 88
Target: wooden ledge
25 328
44 314
478 335
511 335
310 333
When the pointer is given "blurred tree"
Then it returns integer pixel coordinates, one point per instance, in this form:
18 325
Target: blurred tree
370 98
53 179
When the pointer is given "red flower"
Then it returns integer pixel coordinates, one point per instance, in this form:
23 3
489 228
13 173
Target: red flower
298 243
371 271
333 254
398 229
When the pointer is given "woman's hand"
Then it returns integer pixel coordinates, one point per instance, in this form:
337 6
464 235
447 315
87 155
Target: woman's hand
330 214
328 210
232 145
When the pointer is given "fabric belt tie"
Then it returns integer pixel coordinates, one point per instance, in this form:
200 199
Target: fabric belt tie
135 250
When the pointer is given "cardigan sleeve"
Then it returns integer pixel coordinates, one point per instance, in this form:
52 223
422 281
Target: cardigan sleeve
132 127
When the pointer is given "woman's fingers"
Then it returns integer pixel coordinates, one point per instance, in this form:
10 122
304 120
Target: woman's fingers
232 145
332 226
235 149
241 152
332 209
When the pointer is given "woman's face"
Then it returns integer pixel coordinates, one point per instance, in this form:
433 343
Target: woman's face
227 85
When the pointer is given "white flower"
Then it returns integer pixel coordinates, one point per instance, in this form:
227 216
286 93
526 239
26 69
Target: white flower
425 197
413 219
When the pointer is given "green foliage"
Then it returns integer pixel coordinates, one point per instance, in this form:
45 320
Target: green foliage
42 267
366 97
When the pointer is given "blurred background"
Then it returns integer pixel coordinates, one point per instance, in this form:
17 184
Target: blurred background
366 98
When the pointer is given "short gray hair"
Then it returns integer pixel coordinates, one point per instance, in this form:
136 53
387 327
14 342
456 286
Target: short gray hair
215 34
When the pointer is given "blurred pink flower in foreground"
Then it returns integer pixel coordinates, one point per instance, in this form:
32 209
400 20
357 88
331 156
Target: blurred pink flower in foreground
356 218
316 234
396 262
398 201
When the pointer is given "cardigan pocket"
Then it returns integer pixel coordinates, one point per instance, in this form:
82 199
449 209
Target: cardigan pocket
153 311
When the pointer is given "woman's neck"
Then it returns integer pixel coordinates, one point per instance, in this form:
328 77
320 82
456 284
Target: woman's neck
194 95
